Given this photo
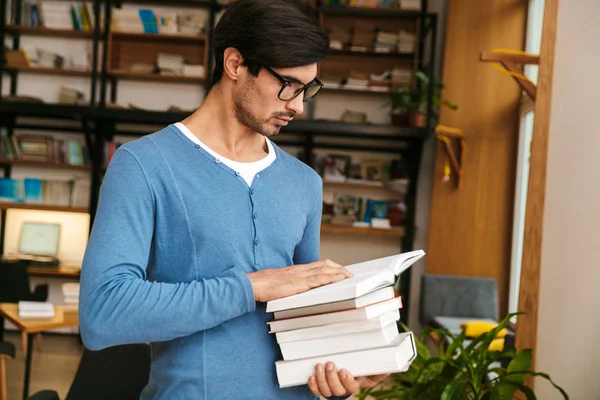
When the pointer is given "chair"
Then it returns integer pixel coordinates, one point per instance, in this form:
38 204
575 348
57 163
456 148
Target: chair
114 373
7 351
458 297
15 287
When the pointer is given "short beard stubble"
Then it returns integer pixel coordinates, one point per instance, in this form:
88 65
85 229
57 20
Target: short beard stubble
245 116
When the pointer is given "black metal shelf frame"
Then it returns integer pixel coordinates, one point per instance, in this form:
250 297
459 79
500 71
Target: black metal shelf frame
98 123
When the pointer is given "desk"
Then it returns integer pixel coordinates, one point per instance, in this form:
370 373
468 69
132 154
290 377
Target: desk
31 326
63 271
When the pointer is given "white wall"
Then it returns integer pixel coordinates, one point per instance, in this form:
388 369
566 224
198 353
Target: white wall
568 347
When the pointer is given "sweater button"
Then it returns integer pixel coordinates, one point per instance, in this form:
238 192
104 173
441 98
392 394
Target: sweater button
237 173
197 146
255 215
217 160
251 192
256 242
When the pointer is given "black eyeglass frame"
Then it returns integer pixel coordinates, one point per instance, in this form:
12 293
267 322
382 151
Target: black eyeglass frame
286 82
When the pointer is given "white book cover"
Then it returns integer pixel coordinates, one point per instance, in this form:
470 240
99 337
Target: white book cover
31 306
368 276
340 328
395 357
373 297
359 314
340 343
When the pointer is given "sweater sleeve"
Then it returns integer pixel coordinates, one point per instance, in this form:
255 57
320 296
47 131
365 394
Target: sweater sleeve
308 250
118 305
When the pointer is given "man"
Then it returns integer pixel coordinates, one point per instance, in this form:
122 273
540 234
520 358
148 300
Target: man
199 224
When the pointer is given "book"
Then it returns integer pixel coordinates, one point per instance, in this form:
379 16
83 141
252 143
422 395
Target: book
376 296
359 314
339 328
334 344
368 276
35 309
392 358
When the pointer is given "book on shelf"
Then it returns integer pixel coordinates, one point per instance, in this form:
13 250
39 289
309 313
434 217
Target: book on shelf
352 323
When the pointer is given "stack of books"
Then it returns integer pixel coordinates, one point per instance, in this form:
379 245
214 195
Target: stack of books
386 42
406 42
35 309
71 295
410 5
352 323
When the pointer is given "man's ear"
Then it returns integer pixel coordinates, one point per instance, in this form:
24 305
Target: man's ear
232 63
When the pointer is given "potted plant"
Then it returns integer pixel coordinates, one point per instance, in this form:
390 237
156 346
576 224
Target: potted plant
461 372
413 103
401 102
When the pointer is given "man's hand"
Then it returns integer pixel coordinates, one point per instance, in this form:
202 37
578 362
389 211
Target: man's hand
328 382
274 283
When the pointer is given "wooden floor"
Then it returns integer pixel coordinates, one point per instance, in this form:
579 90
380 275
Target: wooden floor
52 368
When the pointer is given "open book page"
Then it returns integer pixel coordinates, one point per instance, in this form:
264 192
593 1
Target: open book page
395 264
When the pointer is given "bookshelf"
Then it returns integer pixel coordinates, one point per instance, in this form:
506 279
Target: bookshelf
50 71
42 207
114 52
392 232
52 32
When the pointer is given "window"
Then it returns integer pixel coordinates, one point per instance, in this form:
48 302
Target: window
532 45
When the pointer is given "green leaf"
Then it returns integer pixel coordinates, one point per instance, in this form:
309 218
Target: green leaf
527 392
453 390
494 394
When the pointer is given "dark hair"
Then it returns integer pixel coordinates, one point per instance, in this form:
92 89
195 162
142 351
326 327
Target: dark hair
276 33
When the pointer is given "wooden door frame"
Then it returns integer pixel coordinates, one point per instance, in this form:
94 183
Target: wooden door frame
529 287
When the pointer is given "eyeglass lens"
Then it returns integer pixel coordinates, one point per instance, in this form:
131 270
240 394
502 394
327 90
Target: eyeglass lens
291 90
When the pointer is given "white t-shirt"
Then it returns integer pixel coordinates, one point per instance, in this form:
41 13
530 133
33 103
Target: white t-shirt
247 170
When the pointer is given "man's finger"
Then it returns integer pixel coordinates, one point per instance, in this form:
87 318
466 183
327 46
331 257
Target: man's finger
334 380
313 386
322 381
320 280
351 385
327 270
330 263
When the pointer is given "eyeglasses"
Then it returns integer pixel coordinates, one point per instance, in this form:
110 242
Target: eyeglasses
292 89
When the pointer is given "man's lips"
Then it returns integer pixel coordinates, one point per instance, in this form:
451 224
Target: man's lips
283 121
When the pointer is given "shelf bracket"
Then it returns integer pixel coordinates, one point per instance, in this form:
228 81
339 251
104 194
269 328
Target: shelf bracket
509 61
445 135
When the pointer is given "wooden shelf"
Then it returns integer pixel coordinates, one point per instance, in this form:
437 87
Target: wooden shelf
44 164
341 89
156 77
351 230
41 207
511 62
371 53
385 12
160 37
362 185
57 272
50 71
490 56
41 31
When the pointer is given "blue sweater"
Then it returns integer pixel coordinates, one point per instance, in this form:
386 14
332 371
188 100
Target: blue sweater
174 236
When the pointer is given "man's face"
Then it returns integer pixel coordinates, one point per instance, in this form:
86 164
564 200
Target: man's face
256 100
